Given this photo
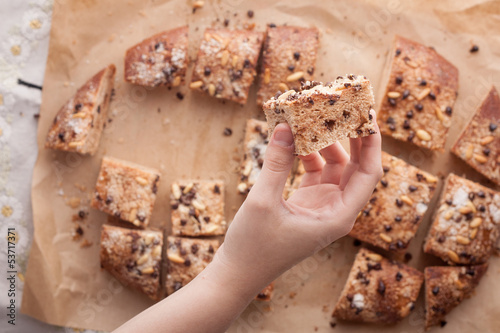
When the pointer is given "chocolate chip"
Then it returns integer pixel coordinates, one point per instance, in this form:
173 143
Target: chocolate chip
210 249
412 188
399 203
384 183
291 68
61 136
448 202
432 95
419 107
493 127
398 218
194 248
481 194
420 177
109 199
391 101
357 242
183 222
435 290
207 71
399 276
175 205
141 217
423 83
310 70
98 109
399 79
296 55
81 214
441 239
381 287
206 218
443 323
226 22
387 227
400 244
250 13
347 85
474 48
310 100
228 131
409 114
272 25
376 267
406 124
392 127
386 169
79 230
406 94
398 52
458 219
486 151
349 297
481 208
411 136
177 286
470 271
472 195
187 262
408 256
448 110
179 95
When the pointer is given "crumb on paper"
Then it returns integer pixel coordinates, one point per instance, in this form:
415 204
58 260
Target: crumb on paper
292 295
85 243
74 202
81 187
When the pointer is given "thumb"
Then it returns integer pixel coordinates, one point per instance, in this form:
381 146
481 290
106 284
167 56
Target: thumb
278 162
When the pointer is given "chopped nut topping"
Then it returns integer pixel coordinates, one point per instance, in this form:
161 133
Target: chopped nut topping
374 257
148 270
267 75
486 140
439 113
142 259
211 89
476 222
79 115
480 158
423 94
141 180
407 200
198 205
283 87
465 210
188 188
176 191
225 58
386 238
295 76
234 61
175 258
448 215
463 240
198 4
242 187
423 135
453 256
473 233
75 144
196 84
393 94
156 251
469 151
176 82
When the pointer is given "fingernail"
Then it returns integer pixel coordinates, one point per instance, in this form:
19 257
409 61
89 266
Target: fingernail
283 137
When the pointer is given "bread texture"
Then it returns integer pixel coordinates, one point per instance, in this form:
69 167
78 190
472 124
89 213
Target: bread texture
321 114
198 208
288 58
254 148
78 125
133 257
378 290
126 190
396 208
227 62
187 257
466 224
421 89
446 287
160 60
479 143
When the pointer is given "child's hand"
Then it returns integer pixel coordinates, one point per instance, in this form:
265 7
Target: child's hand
269 235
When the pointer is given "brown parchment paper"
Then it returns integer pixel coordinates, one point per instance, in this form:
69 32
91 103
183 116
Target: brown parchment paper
64 283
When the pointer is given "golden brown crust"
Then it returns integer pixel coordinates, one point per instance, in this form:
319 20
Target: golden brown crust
133 257
421 91
321 114
465 227
479 143
198 208
266 294
226 63
287 50
446 288
158 60
187 257
378 290
254 148
126 190
396 208
78 125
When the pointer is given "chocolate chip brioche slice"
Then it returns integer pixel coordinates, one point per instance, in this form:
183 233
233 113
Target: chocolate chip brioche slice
321 114
446 287
133 257
479 143
78 125
158 60
378 290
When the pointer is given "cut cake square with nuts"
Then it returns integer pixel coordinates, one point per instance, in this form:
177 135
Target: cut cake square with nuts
266 294
421 89
78 125
126 190
446 287
479 143
133 257
320 115
254 148
187 257
160 60
288 58
226 64
198 208
378 290
465 226
395 210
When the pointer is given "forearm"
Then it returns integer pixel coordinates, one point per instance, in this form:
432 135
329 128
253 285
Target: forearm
208 304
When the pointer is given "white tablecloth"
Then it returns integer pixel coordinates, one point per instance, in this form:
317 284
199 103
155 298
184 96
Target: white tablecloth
24 39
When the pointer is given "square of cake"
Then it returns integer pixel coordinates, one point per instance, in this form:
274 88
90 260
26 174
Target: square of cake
479 143
288 58
158 60
198 208
78 125
466 223
187 257
227 62
254 148
321 114
421 89
133 257
395 210
378 290
126 190
446 287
